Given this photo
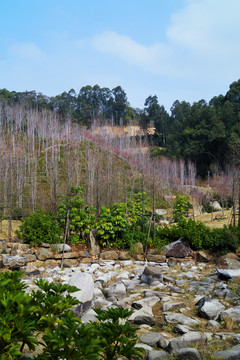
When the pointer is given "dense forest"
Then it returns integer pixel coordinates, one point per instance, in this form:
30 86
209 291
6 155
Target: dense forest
205 133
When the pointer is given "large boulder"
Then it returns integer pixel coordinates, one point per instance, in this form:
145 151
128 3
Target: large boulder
13 262
178 249
176 318
227 274
95 248
84 282
160 212
44 254
209 308
229 261
216 206
186 340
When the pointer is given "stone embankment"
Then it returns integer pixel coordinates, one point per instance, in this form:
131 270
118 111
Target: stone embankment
183 306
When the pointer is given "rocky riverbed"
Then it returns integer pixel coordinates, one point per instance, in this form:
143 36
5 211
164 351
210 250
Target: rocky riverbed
182 308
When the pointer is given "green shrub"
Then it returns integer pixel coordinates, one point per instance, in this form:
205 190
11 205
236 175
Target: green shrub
39 227
225 239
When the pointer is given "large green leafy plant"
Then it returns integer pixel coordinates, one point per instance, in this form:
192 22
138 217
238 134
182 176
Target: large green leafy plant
45 317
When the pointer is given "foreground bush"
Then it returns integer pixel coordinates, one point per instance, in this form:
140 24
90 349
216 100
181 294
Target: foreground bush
45 314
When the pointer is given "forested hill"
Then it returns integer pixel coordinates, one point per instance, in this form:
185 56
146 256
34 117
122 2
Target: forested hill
202 132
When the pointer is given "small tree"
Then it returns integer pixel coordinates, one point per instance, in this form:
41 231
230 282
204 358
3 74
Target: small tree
180 207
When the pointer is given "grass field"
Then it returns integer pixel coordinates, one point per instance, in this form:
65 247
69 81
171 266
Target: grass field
4 232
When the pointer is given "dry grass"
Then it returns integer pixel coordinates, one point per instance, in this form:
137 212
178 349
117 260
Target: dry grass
206 219
15 226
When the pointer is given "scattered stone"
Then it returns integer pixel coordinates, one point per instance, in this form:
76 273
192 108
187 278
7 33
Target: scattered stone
157 355
216 206
229 354
227 274
124 255
229 261
156 258
160 212
180 319
44 254
188 353
188 339
232 313
63 247
151 274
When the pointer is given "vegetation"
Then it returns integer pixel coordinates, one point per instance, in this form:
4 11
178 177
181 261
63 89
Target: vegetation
44 318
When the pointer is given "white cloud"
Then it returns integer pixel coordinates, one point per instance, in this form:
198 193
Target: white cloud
26 51
153 58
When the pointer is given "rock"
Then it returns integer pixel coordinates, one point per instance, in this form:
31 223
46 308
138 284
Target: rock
20 249
124 255
229 354
95 248
116 290
178 249
64 247
209 308
157 355
203 256
69 263
156 258
109 255
30 270
227 274
188 353
153 338
144 319
84 282
172 305
3 245
171 261
188 339
89 316
137 249
232 313
213 324
216 206
160 212
151 274
13 262
182 329
44 254
229 261
67 255
180 319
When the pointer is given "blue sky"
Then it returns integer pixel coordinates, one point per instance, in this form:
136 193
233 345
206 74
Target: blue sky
175 49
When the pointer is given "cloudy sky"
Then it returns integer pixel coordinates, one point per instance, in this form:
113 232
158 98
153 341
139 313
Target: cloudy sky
175 49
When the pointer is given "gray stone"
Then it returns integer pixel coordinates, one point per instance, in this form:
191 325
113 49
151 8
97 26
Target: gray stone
232 313
150 274
188 353
64 247
178 249
144 319
229 354
160 211
182 329
13 262
216 206
188 339
153 338
227 274
209 308
124 255
213 324
172 305
116 290
89 316
180 319
157 355
84 282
